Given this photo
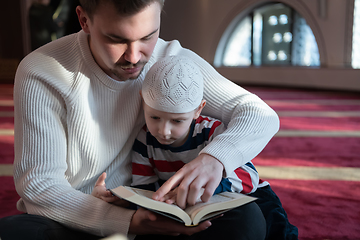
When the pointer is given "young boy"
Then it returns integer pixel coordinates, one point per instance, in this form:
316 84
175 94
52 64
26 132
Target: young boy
175 132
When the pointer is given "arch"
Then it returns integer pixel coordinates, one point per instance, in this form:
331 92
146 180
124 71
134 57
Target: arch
243 9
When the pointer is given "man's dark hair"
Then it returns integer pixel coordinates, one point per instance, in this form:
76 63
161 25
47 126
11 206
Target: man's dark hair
124 7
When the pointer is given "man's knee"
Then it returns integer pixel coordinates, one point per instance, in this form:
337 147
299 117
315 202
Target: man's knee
26 226
33 227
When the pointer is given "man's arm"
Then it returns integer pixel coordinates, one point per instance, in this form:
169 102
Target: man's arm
251 123
40 165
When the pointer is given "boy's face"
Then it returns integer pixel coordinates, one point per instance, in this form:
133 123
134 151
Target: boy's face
121 45
169 128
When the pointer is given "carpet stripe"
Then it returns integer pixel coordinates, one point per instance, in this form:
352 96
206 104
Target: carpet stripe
301 92
314 108
332 114
6 169
309 173
6 132
319 123
6 103
297 133
6 113
334 102
306 96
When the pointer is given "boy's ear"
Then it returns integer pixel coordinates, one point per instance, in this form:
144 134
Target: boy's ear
200 108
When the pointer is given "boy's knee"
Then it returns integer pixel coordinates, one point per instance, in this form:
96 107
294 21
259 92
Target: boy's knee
251 220
243 223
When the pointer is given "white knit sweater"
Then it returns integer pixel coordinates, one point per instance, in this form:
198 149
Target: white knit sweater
73 122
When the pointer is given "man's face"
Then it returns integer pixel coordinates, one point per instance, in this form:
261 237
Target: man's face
122 45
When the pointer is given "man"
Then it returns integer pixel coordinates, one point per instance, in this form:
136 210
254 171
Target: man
78 111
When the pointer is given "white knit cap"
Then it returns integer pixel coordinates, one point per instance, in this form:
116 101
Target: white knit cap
173 84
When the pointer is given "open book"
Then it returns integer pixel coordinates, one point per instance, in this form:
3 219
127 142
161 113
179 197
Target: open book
192 215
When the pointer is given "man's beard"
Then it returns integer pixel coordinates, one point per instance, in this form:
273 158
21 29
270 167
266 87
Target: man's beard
120 76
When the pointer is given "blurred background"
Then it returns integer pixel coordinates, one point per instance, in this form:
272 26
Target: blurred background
303 43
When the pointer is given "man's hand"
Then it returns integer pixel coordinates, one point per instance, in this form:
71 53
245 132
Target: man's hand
204 171
146 222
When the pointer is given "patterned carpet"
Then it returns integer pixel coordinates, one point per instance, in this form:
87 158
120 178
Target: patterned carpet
313 163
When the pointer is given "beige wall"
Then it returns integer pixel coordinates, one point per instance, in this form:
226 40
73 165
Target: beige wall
199 25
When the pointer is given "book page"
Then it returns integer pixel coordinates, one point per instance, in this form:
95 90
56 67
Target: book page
169 210
142 192
144 198
218 203
193 210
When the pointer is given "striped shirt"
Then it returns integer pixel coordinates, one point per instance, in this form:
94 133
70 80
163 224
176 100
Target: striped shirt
152 161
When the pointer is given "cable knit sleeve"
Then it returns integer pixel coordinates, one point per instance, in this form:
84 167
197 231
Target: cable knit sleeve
50 181
251 123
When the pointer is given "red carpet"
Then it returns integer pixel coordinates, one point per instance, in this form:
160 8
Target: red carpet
321 209
319 129
311 151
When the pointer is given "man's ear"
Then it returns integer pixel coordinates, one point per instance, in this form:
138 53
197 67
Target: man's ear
200 108
83 19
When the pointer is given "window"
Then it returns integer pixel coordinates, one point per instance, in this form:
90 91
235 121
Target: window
272 35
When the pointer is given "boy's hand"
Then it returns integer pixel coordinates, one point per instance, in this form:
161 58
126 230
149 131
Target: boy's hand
204 171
